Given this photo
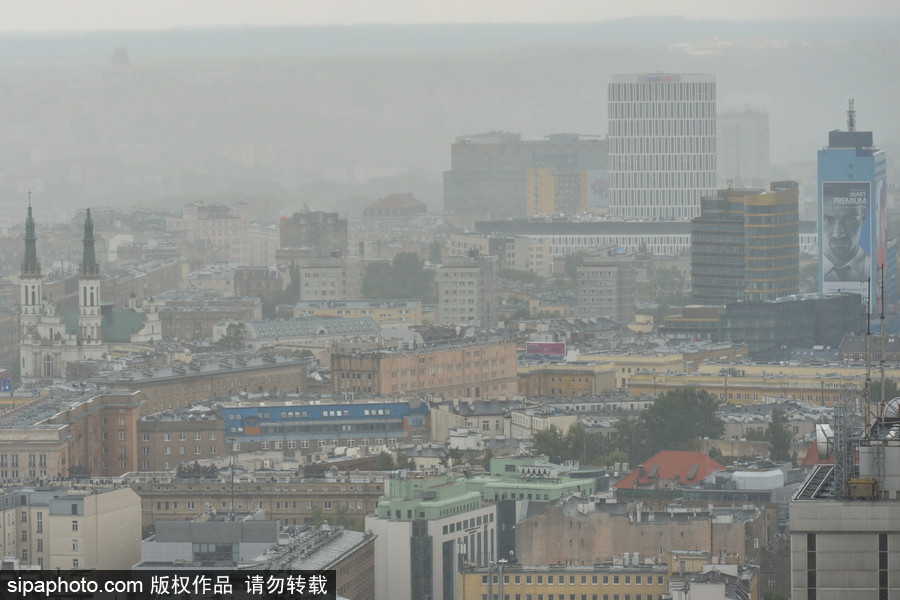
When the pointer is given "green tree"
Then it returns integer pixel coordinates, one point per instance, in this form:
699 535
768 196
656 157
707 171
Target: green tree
234 337
317 517
404 277
576 444
486 460
674 422
384 462
779 436
452 457
616 456
890 390
552 443
667 286
405 463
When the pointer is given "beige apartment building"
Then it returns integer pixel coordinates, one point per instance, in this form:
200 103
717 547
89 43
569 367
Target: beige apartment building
568 380
71 527
484 369
387 313
282 496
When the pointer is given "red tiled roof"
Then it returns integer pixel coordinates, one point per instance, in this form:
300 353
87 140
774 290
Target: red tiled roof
666 465
812 458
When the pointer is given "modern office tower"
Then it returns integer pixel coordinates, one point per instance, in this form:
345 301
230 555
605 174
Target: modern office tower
467 291
317 233
745 245
742 148
488 173
852 212
662 144
605 287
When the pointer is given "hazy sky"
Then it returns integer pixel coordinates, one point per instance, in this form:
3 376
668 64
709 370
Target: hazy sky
86 15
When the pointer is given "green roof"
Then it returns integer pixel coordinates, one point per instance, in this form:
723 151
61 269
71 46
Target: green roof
117 325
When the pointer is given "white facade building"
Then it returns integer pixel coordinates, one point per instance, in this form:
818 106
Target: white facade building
662 144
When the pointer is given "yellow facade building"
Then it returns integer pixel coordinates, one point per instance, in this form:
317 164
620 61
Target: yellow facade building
600 582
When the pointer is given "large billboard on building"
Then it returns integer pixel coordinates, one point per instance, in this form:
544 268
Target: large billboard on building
547 349
847 236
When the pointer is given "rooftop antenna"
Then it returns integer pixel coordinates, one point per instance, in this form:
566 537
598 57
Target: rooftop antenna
881 299
868 344
851 117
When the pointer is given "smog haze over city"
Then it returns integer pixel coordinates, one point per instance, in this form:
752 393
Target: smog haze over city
441 297
367 104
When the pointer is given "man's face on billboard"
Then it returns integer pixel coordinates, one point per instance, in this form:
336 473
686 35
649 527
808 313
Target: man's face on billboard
841 227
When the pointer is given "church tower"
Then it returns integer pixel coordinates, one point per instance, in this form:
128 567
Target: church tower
89 317
31 308
30 278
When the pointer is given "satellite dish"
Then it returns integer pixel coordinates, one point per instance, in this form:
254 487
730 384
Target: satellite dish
891 413
824 440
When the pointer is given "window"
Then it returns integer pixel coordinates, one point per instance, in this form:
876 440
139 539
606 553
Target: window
74 525
74 544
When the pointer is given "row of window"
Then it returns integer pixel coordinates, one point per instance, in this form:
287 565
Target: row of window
573 579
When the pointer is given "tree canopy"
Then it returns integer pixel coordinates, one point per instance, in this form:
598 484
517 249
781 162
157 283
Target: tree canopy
675 420
404 277
233 338
779 436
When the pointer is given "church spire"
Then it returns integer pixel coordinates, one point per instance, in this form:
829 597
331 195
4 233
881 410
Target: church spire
89 264
30 266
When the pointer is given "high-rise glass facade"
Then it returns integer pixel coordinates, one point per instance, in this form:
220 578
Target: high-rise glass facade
662 144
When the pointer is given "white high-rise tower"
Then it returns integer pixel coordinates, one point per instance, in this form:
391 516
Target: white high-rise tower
662 145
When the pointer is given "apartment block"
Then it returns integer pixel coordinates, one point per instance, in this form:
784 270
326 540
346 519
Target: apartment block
467 291
67 528
605 287
481 369
280 495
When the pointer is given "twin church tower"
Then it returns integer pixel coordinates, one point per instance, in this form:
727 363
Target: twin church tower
47 346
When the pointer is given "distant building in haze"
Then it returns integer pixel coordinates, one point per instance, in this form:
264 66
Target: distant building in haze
549 191
468 292
317 233
488 174
745 245
742 149
662 144
605 287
